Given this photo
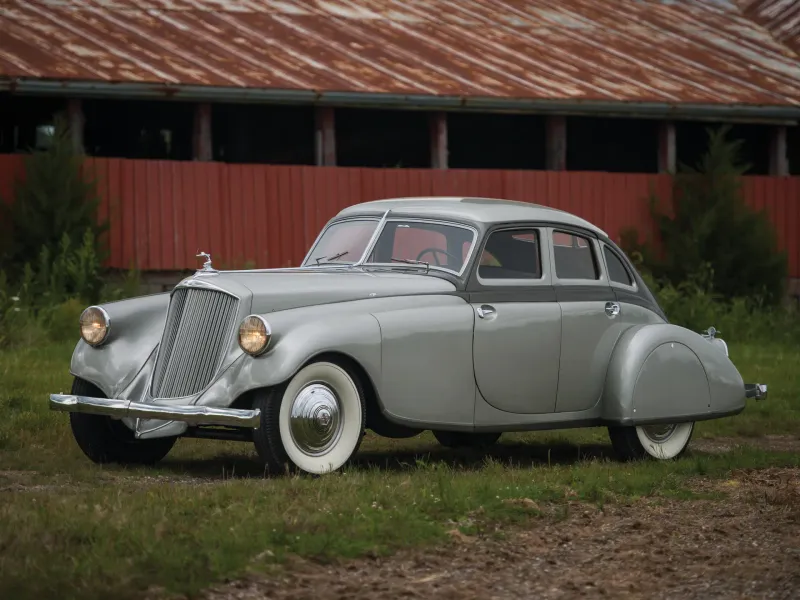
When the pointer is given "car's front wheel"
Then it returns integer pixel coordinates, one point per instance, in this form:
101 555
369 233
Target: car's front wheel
107 440
464 439
314 423
663 442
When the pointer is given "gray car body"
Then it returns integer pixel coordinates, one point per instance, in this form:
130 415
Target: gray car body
548 357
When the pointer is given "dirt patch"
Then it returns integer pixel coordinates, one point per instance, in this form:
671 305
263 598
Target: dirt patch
745 545
772 443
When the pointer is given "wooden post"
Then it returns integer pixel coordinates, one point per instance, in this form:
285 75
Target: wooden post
438 132
778 158
667 149
76 123
556 145
325 137
202 148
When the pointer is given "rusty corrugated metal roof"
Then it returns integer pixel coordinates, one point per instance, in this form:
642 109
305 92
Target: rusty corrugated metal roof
673 51
780 17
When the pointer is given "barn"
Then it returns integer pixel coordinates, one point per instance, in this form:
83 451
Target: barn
209 119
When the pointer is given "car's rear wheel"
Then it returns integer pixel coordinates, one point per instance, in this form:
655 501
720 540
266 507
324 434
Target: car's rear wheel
464 439
662 442
107 440
314 423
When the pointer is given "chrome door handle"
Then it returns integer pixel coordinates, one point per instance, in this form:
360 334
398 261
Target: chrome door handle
612 309
484 310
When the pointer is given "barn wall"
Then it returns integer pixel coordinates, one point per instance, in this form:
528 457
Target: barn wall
163 212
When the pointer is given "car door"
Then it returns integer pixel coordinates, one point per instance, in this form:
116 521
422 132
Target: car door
517 336
591 322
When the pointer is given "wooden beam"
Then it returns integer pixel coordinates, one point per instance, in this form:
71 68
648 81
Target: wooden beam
325 137
202 142
76 123
556 144
778 156
667 148
438 133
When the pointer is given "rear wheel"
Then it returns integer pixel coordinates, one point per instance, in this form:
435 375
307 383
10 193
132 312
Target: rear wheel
464 439
107 440
314 423
662 442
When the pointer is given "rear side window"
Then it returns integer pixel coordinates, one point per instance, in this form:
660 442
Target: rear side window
574 257
616 270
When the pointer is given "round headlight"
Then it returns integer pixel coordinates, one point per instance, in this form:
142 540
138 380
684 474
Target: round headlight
95 325
254 335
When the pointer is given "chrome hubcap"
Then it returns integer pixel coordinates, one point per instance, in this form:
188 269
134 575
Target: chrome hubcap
659 433
315 419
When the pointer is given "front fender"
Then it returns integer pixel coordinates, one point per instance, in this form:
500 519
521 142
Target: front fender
136 327
664 372
301 334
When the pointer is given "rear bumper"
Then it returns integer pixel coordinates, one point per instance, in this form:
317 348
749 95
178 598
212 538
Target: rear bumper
756 390
197 415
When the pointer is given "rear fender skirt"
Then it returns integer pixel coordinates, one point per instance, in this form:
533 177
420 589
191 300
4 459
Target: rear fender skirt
666 373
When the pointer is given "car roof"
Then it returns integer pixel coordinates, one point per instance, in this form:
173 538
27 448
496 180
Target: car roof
488 211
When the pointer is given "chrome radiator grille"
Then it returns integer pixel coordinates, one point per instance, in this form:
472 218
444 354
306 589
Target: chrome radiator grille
198 326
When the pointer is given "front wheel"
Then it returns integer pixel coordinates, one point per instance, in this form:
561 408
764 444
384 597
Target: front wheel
662 442
314 423
107 440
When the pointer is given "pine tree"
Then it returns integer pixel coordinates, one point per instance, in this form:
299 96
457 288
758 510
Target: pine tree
712 226
55 198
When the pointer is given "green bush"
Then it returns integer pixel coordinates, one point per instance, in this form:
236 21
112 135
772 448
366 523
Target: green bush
50 294
694 304
711 224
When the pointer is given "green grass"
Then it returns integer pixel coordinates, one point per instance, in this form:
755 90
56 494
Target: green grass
71 529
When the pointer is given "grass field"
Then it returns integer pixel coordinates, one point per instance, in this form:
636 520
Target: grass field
71 529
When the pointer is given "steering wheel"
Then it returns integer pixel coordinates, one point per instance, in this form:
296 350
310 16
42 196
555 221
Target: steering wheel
434 251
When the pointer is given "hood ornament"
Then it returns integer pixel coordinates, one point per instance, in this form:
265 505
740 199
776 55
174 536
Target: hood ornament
207 268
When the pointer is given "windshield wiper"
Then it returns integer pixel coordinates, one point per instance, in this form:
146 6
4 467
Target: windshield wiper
408 261
332 258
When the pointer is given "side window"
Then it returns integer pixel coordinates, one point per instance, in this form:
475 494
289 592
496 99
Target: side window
511 254
574 257
616 270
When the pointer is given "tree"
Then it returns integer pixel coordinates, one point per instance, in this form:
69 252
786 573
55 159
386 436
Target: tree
54 199
711 225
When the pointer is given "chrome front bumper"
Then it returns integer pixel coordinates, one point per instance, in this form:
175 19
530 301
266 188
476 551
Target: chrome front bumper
198 415
756 390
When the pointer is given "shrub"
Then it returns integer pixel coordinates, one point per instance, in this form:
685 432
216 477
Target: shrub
711 224
50 293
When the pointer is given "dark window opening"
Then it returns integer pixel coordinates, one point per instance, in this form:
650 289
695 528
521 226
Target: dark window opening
616 269
793 149
382 138
612 145
574 257
511 254
495 141
138 129
691 138
27 123
263 133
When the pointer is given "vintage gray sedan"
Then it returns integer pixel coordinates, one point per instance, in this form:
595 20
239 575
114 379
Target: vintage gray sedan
465 316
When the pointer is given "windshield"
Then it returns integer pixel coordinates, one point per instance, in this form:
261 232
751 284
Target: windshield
343 242
402 241
437 244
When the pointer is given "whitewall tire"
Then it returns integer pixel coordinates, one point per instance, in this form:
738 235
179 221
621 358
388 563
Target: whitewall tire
314 423
662 442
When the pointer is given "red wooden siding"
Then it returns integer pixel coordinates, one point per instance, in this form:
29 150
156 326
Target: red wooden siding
162 213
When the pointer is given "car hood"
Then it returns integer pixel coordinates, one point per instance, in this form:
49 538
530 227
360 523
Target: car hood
274 290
